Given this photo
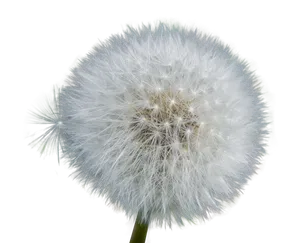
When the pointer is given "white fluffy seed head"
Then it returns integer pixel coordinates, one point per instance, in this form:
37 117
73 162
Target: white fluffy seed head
161 120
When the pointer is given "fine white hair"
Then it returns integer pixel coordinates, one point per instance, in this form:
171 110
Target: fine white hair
162 120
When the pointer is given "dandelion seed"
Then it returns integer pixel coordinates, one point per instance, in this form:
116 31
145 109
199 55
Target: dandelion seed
139 134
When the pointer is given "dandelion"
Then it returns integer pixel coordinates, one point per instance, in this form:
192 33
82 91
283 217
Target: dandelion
163 121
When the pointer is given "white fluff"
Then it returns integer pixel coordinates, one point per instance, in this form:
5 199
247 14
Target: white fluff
161 119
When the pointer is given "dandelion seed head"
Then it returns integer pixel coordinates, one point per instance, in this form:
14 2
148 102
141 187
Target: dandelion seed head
163 120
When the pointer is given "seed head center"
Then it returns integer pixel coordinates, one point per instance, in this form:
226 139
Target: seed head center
167 120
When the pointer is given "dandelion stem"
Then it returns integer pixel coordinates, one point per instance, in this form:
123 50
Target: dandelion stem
140 229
